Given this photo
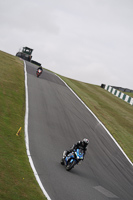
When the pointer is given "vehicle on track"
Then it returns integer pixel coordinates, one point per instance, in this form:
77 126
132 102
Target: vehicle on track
72 159
25 54
38 72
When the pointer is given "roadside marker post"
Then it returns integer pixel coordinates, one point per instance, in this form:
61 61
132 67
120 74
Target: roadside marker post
18 133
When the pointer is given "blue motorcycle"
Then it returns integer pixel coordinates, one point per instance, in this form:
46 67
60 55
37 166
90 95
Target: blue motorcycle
72 159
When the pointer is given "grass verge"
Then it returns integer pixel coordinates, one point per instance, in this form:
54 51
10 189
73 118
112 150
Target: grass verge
17 180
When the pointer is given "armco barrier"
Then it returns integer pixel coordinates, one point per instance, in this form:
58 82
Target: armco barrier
119 94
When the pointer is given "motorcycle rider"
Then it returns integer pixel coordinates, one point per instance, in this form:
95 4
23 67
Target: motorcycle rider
40 67
79 145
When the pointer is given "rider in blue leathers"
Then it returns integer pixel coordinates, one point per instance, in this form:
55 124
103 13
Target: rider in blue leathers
79 145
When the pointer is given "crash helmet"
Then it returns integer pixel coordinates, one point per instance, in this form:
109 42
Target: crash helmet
85 141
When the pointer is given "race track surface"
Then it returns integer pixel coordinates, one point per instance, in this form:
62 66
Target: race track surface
57 120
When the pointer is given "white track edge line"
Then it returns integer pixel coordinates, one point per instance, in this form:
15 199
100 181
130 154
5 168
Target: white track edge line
97 120
27 138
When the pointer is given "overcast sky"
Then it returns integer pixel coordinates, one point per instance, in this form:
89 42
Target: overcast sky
87 40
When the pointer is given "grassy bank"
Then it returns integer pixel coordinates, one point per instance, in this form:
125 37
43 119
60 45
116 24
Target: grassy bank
17 180
113 112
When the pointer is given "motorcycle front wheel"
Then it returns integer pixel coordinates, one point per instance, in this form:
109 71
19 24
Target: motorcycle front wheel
37 75
71 165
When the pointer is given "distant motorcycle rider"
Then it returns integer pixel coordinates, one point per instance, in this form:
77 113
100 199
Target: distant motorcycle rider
79 145
40 67
39 71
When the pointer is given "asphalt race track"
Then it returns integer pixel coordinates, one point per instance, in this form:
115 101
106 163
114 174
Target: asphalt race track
57 120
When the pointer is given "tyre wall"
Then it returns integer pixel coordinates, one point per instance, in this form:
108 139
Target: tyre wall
119 94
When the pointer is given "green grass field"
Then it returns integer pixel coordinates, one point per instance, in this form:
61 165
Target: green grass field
17 180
